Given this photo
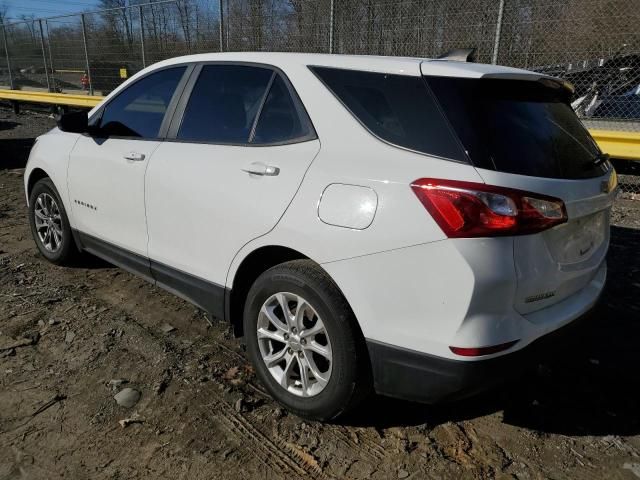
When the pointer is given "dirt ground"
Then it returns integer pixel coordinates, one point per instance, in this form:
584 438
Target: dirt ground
72 338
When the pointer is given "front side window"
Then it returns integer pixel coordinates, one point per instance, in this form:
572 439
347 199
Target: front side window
397 108
224 104
139 109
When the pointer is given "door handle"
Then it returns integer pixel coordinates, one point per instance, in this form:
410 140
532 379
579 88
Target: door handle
259 168
135 156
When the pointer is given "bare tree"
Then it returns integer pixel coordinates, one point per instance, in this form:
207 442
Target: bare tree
118 19
4 10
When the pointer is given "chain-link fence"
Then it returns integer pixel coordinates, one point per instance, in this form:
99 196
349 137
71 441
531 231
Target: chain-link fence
595 44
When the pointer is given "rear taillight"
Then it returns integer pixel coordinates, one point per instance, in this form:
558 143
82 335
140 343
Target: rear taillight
468 209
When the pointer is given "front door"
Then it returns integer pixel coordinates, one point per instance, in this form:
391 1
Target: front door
107 171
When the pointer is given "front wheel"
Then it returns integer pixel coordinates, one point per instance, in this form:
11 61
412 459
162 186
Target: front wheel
49 223
303 340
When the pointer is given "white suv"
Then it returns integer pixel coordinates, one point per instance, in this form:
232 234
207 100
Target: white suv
405 224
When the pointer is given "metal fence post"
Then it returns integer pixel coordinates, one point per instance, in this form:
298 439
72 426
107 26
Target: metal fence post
227 30
44 56
332 12
144 59
53 77
221 19
496 43
6 52
86 53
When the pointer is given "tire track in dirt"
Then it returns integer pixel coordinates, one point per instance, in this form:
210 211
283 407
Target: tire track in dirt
275 453
362 444
270 451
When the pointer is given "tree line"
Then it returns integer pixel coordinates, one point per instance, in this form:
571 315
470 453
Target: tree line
533 34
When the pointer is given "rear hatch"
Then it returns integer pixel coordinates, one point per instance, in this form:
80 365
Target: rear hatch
521 133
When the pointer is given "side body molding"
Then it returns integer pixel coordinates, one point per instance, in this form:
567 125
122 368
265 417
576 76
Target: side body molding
206 295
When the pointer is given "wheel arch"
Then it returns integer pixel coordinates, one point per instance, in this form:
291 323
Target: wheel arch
34 176
251 267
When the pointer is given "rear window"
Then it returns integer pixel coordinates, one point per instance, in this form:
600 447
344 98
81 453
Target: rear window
224 103
518 126
396 108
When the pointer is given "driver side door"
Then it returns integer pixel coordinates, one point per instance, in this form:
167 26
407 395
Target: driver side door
107 170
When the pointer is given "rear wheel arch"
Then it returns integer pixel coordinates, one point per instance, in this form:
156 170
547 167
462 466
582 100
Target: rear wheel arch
252 266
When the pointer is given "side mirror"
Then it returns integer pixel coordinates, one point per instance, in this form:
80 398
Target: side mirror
73 122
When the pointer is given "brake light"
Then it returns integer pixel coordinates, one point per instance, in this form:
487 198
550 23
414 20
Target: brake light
468 209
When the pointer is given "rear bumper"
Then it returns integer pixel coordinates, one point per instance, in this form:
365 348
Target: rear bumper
411 375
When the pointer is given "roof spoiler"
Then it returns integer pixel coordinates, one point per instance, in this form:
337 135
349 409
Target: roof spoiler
460 55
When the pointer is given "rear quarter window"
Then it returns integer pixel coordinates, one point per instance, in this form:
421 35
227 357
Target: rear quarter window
280 120
398 109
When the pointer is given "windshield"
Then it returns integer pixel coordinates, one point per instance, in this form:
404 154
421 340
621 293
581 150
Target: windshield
518 126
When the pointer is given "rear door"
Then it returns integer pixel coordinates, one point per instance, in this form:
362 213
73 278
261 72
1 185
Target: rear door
241 145
523 134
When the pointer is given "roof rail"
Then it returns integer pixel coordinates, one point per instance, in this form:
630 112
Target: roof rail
460 55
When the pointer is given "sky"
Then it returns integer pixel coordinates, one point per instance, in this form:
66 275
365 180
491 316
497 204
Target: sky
46 8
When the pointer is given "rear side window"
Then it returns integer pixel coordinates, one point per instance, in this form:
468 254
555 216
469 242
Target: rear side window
224 104
139 109
518 126
397 108
279 120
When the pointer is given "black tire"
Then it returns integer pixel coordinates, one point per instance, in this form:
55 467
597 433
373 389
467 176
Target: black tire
350 379
67 250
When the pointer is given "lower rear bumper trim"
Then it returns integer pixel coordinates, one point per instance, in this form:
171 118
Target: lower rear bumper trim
411 375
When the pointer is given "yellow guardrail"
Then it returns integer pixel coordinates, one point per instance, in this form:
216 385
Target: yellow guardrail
66 99
618 144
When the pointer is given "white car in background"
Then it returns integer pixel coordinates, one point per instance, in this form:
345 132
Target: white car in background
406 224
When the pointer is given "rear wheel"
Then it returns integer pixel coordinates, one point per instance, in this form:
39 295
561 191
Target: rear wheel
49 223
303 341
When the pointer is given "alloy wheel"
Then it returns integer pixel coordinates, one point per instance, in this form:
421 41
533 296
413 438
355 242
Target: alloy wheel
294 344
48 222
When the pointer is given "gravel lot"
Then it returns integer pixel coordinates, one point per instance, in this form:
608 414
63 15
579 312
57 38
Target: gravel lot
73 338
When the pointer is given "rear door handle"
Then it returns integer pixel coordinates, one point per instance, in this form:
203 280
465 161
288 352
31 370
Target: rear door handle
259 168
135 156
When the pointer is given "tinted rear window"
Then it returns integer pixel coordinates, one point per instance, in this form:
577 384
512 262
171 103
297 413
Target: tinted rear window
517 126
224 103
397 108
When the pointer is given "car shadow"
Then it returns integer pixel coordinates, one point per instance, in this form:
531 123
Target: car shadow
90 262
14 152
590 386
7 125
